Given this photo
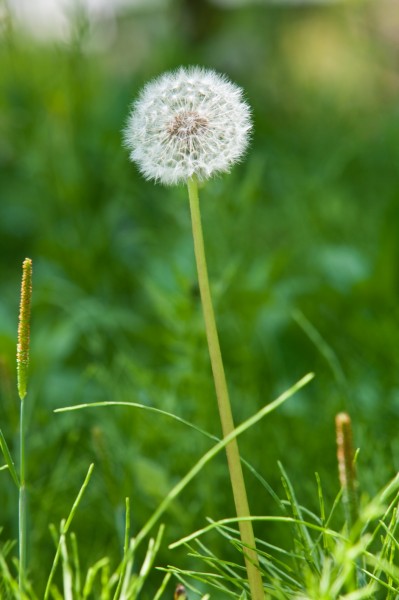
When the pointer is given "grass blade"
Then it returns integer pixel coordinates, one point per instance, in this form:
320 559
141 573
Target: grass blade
8 458
65 529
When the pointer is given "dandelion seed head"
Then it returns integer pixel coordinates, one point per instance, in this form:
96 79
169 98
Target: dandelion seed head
186 123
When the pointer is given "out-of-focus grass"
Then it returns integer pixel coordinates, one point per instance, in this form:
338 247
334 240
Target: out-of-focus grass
302 246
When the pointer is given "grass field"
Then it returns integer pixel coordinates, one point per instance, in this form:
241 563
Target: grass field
303 249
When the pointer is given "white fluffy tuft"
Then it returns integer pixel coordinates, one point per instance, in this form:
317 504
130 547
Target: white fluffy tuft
189 122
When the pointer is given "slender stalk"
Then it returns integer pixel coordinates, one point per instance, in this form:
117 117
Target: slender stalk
226 417
22 500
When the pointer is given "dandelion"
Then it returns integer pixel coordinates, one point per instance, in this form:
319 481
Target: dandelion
185 127
188 123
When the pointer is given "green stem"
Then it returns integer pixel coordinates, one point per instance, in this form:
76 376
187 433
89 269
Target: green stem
22 501
226 417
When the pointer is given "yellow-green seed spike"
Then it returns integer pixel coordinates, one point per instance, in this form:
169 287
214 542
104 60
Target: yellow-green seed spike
24 328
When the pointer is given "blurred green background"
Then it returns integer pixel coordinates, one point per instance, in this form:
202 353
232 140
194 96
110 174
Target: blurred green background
302 244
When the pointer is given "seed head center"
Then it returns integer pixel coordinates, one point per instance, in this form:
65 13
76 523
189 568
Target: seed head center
187 124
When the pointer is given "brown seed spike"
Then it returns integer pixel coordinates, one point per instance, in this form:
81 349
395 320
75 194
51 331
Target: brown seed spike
180 593
346 465
24 328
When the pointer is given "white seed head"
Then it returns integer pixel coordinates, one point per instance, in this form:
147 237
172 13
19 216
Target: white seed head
186 123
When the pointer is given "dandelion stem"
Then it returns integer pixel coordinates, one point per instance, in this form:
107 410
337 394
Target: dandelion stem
226 417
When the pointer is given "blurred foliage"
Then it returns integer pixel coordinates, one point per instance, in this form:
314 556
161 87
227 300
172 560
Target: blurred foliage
302 245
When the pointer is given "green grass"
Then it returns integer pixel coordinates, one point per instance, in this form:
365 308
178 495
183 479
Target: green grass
303 248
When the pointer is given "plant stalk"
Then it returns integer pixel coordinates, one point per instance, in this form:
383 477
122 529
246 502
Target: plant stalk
226 417
22 501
